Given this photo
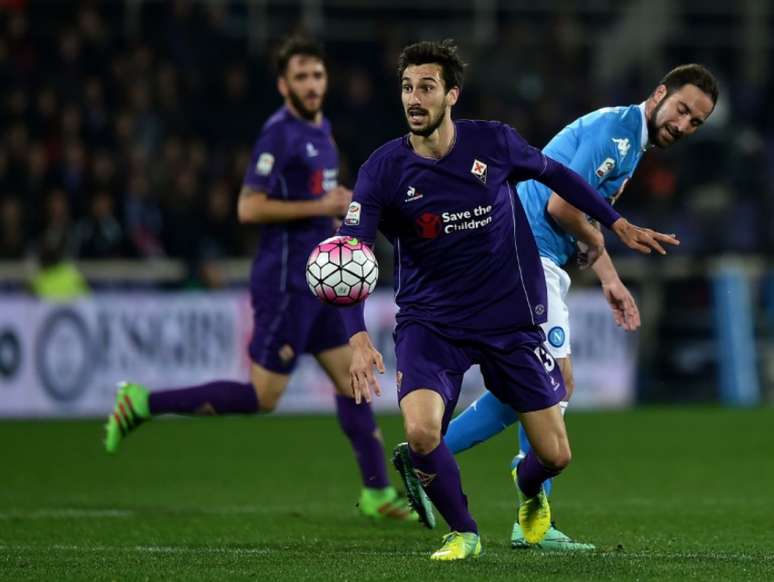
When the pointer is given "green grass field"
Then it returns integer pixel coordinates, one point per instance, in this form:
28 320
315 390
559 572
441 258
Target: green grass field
666 494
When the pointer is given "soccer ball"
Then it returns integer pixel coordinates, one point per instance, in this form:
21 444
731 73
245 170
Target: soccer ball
342 271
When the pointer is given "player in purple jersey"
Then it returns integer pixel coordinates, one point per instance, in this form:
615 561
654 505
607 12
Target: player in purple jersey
469 284
605 147
291 188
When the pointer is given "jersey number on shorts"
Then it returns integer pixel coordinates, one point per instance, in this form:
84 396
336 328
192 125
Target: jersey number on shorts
545 358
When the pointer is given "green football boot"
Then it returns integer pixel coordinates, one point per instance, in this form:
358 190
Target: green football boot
534 513
130 411
554 541
385 504
416 495
458 546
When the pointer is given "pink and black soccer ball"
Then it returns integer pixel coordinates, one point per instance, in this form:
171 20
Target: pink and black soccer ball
342 271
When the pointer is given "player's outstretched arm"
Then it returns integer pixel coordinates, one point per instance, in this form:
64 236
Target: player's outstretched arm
575 190
643 240
365 357
625 311
257 208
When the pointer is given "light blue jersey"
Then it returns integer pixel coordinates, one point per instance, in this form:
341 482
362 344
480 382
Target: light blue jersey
604 147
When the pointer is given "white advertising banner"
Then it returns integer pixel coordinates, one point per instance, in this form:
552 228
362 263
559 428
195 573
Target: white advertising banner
604 357
60 360
65 359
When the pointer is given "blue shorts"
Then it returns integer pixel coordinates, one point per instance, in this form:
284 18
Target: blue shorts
287 325
516 367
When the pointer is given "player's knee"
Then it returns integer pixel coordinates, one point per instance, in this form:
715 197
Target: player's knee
423 438
267 399
558 459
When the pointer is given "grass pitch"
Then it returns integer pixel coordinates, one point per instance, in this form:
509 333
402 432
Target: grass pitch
666 494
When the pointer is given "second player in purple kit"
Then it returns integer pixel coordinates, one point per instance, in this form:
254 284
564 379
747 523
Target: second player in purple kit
468 283
291 188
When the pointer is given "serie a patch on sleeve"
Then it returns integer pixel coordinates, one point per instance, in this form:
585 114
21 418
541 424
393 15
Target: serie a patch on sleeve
605 167
264 164
353 214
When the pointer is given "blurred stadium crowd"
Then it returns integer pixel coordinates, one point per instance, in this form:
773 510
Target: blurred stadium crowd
126 133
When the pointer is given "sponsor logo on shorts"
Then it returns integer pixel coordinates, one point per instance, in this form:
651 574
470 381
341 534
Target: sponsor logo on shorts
286 353
556 336
398 379
353 214
264 164
540 309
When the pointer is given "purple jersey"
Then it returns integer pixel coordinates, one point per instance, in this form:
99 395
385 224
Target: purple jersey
292 160
466 260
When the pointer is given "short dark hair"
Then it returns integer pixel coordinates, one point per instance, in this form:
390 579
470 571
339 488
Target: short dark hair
692 74
443 53
296 45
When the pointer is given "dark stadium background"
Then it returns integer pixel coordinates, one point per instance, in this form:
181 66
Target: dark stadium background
125 130
127 126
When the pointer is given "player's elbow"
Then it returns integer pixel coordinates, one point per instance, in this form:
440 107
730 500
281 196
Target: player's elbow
243 216
555 209
248 213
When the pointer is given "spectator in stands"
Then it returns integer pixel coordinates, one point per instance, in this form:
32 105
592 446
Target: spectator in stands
13 238
143 219
99 235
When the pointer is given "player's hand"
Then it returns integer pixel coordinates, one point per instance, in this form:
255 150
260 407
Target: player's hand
590 251
365 357
641 239
336 201
625 311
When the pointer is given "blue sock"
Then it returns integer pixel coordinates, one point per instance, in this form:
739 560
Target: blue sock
524 449
483 419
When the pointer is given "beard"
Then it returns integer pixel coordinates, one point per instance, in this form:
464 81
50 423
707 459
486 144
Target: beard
298 105
654 129
431 126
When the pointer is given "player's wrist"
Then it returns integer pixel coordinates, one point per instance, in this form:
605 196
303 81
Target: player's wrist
360 339
620 226
592 238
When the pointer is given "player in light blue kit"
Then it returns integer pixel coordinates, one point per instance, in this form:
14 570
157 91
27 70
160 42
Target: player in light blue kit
604 147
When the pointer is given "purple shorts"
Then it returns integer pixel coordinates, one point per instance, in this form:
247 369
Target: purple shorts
516 367
287 325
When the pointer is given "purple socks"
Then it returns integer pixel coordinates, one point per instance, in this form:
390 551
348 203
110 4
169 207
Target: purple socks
219 397
358 423
531 473
440 476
